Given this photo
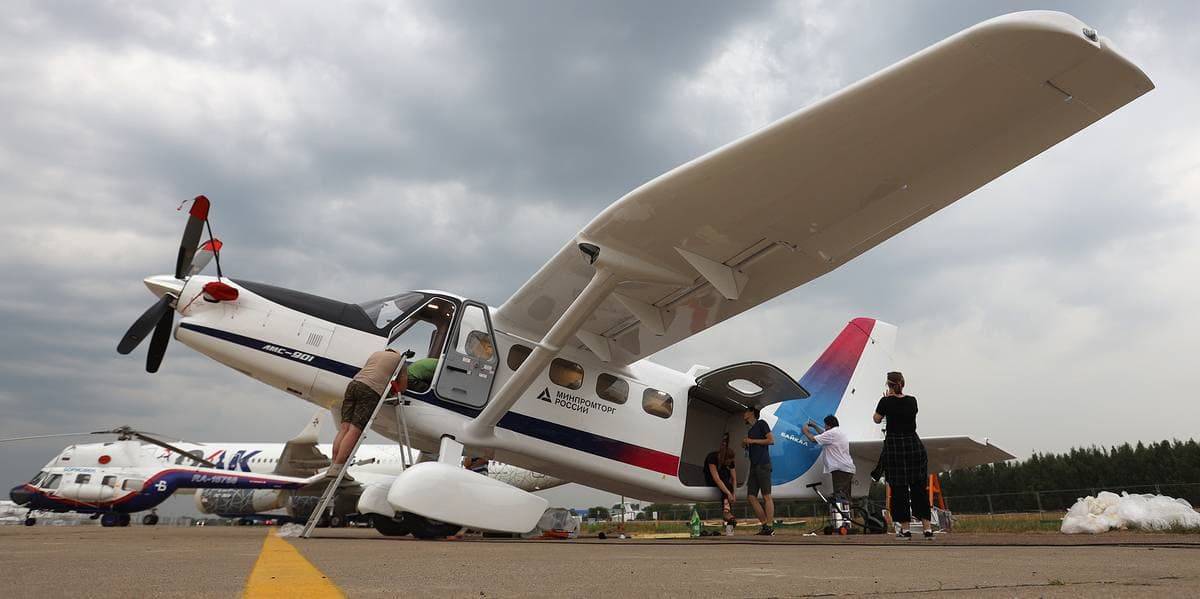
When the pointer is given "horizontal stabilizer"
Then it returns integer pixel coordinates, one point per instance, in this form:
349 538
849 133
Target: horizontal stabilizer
945 453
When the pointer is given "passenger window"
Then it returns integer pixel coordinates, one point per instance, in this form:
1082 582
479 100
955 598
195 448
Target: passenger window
566 373
517 355
611 388
133 484
658 403
109 481
473 338
83 479
53 481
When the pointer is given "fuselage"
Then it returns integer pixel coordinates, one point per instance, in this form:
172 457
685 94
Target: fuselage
625 429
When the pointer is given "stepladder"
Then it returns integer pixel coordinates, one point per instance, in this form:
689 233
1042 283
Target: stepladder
335 483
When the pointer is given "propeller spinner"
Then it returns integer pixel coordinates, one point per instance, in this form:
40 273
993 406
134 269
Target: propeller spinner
160 318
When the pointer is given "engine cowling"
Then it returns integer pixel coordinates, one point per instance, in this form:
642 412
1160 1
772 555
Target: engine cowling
239 502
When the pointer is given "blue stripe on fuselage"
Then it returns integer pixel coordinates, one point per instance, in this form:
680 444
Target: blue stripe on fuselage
599 445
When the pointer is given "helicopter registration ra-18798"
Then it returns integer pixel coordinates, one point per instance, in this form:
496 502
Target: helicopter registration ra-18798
555 380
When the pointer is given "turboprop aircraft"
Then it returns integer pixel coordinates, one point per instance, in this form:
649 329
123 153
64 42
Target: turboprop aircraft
137 472
556 379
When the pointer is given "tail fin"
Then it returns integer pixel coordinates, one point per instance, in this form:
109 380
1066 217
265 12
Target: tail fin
845 381
308 434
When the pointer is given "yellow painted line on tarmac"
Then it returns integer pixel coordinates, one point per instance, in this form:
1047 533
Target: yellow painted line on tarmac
282 572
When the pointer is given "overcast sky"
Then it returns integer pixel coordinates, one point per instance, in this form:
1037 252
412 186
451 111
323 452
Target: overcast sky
358 150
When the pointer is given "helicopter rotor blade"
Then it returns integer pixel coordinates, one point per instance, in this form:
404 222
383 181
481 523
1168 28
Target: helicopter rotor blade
168 446
27 438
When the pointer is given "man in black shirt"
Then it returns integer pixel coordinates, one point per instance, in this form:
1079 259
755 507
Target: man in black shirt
758 439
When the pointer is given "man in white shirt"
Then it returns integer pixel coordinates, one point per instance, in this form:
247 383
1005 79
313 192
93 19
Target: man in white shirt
835 450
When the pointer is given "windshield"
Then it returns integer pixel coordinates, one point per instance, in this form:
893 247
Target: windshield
384 312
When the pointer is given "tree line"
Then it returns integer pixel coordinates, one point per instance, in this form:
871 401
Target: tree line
1125 465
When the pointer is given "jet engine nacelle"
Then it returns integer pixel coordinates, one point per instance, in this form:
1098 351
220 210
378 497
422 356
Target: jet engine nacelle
239 502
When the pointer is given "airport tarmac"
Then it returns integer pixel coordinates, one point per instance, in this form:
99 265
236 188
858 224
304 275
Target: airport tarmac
88 561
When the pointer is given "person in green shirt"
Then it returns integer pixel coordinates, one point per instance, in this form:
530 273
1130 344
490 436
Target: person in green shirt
420 374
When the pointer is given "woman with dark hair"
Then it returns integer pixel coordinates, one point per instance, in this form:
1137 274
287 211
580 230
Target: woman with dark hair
905 463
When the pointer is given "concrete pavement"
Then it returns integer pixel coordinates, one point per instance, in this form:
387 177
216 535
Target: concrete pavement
217 562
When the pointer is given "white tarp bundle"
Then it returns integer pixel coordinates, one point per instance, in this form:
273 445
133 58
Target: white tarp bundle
291 530
556 519
1109 511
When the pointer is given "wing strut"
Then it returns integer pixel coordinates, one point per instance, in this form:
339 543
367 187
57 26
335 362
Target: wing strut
598 289
612 267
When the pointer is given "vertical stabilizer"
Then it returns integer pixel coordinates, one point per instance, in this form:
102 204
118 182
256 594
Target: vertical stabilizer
846 380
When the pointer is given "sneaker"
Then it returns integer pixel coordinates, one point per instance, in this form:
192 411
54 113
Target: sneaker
904 535
929 535
766 531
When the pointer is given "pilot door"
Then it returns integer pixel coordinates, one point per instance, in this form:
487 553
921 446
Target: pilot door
469 367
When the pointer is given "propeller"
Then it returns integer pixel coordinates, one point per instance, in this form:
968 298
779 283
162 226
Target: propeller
124 433
160 318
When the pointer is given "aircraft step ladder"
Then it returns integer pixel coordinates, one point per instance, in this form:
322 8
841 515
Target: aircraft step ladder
405 451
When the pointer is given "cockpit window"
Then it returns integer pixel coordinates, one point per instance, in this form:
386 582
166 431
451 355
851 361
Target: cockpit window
38 479
384 312
52 482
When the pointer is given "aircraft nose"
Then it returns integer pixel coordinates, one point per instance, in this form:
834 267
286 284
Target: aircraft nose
20 495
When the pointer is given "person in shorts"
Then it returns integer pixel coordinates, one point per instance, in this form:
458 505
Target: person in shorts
757 443
362 394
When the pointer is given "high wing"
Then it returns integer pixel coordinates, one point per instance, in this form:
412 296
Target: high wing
804 195
945 453
300 456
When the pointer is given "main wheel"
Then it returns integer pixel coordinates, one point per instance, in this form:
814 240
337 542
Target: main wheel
337 521
150 519
109 520
425 528
389 527
123 519
30 521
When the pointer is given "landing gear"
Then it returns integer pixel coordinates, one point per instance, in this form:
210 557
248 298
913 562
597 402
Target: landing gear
389 527
150 519
425 528
112 519
337 521
30 521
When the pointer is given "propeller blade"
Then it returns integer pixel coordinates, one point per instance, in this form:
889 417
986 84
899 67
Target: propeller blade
45 436
141 327
204 255
158 343
168 446
191 236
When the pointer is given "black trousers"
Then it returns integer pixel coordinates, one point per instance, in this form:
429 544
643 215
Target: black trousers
910 498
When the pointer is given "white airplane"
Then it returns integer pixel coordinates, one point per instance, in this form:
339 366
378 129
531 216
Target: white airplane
137 472
567 389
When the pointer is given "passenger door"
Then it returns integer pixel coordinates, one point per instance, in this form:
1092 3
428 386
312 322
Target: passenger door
469 366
